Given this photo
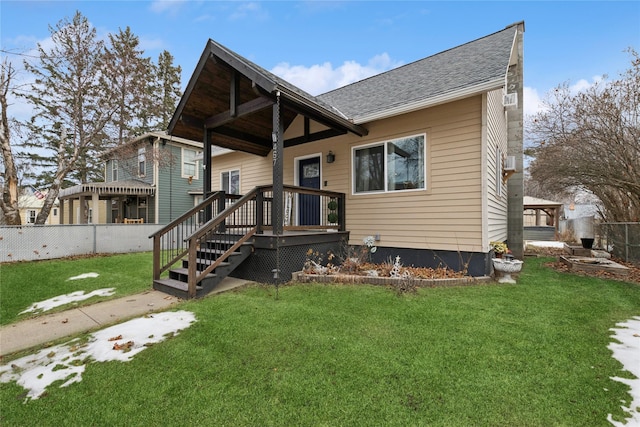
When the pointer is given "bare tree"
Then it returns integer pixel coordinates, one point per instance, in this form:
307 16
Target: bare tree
591 141
70 103
10 193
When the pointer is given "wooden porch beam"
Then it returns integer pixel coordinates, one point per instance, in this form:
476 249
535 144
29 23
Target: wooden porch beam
234 94
324 134
299 109
245 142
241 110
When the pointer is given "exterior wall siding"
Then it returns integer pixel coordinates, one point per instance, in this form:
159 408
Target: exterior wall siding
174 198
447 215
496 139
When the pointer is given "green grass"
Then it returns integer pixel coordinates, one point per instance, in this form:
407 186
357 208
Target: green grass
24 283
531 354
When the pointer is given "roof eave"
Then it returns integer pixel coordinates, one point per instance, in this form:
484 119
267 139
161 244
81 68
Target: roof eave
431 102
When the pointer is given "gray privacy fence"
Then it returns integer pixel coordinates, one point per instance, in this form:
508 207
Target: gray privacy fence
37 242
622 239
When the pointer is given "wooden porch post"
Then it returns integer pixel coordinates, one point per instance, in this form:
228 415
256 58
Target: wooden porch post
278 169
206 179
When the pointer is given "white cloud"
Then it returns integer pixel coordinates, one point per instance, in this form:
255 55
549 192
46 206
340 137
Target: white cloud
252 9
532 103
583 84
321 78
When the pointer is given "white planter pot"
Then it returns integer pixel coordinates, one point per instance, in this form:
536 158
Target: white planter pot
506 268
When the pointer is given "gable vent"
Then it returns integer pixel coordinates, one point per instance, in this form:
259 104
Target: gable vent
510 99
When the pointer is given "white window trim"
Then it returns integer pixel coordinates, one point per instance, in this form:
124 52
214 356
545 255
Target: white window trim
384 143
114 170
498 172
195 163
142 159
229 172
31 213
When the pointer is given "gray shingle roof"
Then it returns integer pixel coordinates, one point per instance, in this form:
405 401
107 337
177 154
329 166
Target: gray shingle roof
470 65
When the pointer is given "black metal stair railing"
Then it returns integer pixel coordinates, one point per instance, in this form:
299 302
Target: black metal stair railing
169 244
229 230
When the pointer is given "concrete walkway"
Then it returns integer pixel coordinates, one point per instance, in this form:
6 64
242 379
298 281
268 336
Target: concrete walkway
47 328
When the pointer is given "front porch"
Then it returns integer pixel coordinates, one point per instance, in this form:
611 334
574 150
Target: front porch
125 201
239 236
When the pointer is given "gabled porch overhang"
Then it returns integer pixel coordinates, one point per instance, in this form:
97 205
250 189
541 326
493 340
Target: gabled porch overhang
233 103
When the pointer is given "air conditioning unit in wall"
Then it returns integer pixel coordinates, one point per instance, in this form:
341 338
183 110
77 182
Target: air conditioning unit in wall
510 99
510 163
508 167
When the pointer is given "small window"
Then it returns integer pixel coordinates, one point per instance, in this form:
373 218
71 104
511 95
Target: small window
189 164
394 165
114 170
90 216
231 182
55 211
142 162
31 216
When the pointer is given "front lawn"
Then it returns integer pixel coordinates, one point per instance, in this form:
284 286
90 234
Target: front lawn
25 283
531 354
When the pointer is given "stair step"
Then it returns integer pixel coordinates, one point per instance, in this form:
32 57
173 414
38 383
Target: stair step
204 262
185 272
173 287
216 252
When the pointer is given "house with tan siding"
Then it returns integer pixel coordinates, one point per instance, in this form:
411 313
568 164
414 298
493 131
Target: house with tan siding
426 158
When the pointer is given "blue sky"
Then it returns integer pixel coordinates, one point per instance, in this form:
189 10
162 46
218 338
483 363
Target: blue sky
322 45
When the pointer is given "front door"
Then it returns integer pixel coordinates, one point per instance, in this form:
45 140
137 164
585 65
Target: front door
308 204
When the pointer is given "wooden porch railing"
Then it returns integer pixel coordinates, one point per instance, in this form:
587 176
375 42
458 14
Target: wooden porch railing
231 221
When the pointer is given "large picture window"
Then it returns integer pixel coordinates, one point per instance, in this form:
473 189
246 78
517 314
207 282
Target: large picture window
394 165
231 182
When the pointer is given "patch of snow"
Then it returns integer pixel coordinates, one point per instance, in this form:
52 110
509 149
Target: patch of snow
66 299
627 352
84 276
67 362
544 244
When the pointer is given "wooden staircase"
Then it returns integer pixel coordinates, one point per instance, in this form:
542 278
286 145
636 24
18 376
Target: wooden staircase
195 252
192 254
177 284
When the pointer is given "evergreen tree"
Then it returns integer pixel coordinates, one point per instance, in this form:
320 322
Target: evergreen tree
168 93
128 76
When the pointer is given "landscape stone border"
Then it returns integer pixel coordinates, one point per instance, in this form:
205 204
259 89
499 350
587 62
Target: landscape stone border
302 277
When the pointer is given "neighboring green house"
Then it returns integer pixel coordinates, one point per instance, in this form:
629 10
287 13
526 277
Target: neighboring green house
152 179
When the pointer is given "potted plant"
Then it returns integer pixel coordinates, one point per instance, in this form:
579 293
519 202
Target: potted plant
499 248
